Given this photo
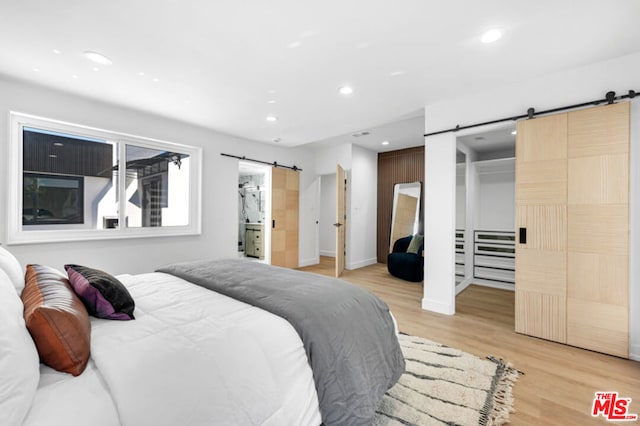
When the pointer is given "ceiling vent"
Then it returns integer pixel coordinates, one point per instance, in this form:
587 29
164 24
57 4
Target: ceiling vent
357 135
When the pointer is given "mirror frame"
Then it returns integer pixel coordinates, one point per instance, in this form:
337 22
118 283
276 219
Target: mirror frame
411 189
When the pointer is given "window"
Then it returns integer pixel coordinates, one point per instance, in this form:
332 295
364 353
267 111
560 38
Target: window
70 182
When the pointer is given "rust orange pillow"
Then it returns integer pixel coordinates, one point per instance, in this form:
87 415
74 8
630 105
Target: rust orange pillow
57 320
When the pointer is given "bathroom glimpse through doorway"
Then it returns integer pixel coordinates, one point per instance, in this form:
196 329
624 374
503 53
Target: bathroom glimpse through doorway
254 211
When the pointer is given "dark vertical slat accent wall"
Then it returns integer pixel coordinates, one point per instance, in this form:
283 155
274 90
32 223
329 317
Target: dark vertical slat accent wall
45 153
401 166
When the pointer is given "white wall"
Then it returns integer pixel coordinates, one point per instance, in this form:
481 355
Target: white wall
568 87
439 223
362 214
496 199
219 184
327 215
308 237
326 158
461 195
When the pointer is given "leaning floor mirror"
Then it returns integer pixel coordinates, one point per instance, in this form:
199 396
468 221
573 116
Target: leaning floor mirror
406 210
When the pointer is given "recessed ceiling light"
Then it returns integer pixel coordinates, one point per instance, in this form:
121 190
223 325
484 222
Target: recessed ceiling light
74 76
271 118
96 69
385 142
56 51
155 80
491 35
345 90
97 57
271 101
141 73
36 70
514 132
396 73
294 44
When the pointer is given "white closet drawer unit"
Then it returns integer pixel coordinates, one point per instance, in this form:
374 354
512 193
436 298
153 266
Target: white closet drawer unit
501 275
494 256
459 255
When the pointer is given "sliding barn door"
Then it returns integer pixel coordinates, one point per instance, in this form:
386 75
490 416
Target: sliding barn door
541 227
285 189
572 222
598 259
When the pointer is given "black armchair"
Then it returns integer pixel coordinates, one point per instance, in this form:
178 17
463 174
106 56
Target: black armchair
408 266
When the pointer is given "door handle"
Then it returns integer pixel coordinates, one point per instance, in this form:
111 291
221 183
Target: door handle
523 236
337 225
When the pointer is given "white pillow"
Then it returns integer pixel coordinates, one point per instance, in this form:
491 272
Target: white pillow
10 265
19 362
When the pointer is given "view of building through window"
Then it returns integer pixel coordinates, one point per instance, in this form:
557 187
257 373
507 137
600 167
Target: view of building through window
157 187
73 180
65 178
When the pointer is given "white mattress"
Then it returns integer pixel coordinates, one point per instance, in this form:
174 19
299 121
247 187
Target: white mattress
191 354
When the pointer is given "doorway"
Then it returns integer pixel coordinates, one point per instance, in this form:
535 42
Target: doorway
254 211
326 219
485 208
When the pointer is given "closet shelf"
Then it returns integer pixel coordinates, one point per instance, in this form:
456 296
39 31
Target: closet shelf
499 165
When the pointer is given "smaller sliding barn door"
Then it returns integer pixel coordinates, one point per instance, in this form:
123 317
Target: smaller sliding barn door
541 227
598 242
285 188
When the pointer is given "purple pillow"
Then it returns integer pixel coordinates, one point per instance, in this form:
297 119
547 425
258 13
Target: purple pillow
102 294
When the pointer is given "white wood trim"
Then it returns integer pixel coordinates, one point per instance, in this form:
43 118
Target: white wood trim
15 234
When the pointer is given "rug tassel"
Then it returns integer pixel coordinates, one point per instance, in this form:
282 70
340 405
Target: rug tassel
503 397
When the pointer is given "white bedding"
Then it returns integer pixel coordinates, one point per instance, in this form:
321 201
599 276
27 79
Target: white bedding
64 399
191 357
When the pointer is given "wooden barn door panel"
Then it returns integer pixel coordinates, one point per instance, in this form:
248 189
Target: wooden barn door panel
541 212
598 233
284 214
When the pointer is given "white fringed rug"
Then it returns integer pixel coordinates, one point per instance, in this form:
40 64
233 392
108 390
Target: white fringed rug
446 386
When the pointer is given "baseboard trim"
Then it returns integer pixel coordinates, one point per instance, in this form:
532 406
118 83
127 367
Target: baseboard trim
362 263
463 285
308 262
438 307
328 253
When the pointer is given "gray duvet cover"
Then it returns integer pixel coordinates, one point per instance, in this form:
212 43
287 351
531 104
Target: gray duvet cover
347 332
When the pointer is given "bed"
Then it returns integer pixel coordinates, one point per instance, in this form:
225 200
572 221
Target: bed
196 356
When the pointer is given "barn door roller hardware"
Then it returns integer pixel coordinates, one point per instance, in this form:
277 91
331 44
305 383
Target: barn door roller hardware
274 164
609 98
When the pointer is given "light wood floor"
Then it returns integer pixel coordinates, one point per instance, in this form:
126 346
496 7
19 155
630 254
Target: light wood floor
559 382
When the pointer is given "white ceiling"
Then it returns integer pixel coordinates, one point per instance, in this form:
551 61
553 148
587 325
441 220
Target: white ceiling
493 141
218 63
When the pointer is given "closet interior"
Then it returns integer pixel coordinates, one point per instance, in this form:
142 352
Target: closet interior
485 209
